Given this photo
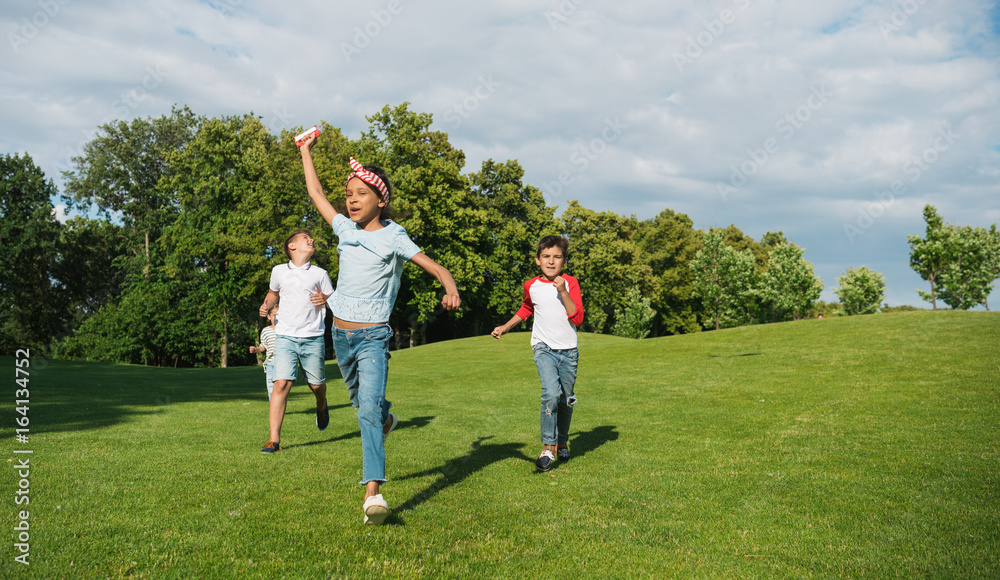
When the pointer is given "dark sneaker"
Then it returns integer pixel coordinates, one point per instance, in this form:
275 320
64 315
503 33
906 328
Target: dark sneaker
271 447
563 453
389 425
323 419
544 462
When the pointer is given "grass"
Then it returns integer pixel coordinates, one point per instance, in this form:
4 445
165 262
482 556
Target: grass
850 447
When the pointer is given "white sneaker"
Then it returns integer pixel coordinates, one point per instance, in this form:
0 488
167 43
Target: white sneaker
376 509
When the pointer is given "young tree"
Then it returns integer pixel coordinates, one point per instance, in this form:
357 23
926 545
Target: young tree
789 283
861 291
726 280
932 255
635 319
960 262
968 281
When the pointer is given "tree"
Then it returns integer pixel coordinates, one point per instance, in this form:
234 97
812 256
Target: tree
223 225
434 205
90 265
727 281
668 243
32 306
861 291
968 281
513 217
960 263
606 260
635 319
120 172
789 284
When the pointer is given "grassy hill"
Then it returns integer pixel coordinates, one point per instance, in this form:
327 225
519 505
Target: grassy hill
863 446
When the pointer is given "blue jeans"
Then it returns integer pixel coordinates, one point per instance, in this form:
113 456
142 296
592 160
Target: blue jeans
291 351
269 379
363 358
557 369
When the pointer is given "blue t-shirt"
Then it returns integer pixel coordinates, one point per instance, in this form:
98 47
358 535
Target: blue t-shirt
371 265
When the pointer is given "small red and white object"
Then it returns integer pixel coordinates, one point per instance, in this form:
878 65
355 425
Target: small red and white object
301 137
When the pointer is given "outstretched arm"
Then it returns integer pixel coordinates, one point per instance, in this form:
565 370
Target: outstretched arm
451 300
312 182
505 328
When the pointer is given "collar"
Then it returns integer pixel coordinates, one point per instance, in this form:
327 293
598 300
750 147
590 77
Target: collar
292 266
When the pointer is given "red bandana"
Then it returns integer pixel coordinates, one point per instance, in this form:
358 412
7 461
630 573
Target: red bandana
368 177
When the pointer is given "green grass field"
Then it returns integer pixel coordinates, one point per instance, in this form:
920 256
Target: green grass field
851 447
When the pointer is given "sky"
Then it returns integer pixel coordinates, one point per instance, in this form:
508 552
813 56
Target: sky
833 122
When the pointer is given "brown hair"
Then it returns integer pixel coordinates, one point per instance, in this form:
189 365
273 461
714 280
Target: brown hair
553 242
291 237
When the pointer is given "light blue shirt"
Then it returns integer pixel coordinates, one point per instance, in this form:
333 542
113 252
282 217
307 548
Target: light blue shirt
371 265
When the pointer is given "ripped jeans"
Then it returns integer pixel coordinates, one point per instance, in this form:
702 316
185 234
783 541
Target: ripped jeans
557 370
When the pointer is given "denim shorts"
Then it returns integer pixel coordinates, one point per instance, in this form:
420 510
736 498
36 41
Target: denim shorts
292 351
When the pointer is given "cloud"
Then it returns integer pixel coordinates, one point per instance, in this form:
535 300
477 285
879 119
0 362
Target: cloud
704 94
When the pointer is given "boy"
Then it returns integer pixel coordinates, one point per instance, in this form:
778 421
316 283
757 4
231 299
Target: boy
554 299
303 289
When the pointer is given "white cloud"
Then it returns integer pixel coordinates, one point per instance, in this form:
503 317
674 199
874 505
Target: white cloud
562 69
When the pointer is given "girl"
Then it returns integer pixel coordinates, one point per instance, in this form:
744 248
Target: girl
372 253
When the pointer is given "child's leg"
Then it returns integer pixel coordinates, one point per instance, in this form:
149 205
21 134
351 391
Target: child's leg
567 379
276 408
363 356
312 358
286 370
269 379
548 371
373 409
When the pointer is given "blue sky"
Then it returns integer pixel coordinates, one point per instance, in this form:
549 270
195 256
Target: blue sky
833 122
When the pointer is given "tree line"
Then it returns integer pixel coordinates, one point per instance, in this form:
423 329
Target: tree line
192 212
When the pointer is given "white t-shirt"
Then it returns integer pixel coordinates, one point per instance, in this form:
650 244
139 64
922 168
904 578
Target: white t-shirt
298 316
552 324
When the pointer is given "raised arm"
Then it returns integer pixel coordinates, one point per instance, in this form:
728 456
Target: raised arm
451 300
312 182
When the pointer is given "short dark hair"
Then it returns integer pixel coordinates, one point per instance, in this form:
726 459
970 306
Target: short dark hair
553 242
289 239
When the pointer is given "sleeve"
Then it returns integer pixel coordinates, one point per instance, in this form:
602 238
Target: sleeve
403 246
275 284
325 286
339 223
527 307
574 294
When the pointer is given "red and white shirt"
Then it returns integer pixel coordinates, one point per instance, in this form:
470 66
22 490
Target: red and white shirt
552 324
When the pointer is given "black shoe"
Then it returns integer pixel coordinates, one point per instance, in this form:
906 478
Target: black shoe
323 419
544 461
271 447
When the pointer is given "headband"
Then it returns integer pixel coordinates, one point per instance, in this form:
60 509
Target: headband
358 170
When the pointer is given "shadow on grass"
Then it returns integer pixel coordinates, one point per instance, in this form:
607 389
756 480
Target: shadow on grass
456 470
82 396
482 455
733 355
414 423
